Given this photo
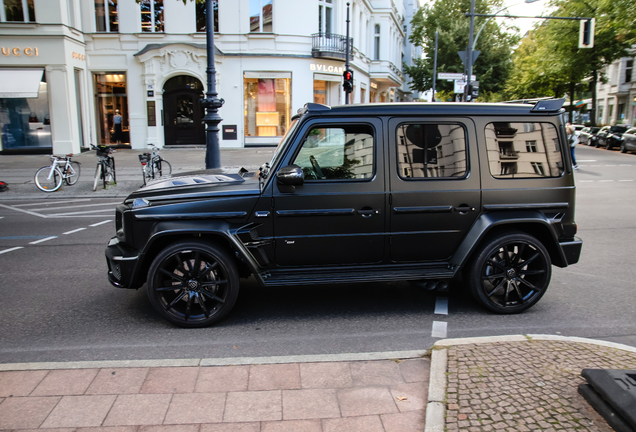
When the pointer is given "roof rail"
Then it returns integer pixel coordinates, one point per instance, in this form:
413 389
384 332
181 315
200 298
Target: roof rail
313 107
548 105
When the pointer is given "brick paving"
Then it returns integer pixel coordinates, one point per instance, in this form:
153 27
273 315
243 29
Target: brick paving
365 396
525 386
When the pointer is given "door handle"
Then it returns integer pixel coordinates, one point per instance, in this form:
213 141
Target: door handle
464 208
368 212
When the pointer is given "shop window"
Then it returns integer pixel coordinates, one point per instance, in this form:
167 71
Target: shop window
261 16
337 153
523 150
431 150
202 16
267 105
106 16
25 122
152 16
112 100
17 10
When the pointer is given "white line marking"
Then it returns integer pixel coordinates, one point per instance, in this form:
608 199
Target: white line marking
609 165
78 206
23 211
605 181
586 181
101 223
624 165
52 202
74 231
43 240
441 306
625 180
9 250
588 160
80 213
439 329
79 216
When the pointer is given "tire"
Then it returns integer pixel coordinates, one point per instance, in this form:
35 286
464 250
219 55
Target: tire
608 145
623 148
164 167
187 297
73 176
46 184
510 273
98 175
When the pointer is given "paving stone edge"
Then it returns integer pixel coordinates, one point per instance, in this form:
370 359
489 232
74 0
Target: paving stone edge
436 409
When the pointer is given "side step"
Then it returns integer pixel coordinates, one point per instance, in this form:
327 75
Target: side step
352 275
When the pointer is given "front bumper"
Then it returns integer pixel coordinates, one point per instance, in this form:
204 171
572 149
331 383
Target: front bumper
122 265
572 250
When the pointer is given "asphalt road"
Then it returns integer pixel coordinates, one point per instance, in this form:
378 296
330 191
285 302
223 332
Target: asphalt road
56 304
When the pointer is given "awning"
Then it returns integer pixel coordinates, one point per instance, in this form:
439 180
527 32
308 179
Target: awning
327 77
20 83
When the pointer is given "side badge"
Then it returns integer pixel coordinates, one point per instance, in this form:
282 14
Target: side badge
289 242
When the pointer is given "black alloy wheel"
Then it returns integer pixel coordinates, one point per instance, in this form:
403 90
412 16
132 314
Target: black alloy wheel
193 284
510 273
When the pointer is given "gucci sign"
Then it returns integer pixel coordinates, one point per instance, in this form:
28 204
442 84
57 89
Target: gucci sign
19 51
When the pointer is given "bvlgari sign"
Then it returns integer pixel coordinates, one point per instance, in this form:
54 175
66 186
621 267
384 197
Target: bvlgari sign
17 51
325 68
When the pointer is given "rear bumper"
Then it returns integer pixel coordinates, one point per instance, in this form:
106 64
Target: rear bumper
572 250
122 264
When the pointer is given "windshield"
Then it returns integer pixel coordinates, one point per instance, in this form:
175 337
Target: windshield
282 144
618 129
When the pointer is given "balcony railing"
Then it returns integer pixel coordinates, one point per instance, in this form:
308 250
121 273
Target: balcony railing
330 45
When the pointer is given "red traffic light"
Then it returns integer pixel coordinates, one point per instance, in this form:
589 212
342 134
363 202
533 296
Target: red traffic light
348 75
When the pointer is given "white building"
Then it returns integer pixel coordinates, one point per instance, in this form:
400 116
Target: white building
84 60
616 100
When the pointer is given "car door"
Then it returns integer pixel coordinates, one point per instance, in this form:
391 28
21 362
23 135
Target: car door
434 186
337 215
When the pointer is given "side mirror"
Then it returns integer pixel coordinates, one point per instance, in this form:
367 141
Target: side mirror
289 177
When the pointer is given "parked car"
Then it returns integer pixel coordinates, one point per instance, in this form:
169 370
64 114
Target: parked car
599 138
615 136
586 135
578 128
629 140
363 193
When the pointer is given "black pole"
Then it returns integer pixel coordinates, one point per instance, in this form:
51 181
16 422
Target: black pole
435 68
469 53
211 102
347 53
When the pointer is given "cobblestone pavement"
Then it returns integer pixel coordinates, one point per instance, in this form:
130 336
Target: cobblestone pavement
525 386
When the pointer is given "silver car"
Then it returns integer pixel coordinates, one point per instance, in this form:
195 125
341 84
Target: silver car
629 140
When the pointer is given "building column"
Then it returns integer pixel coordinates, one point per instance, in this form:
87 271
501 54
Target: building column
61 107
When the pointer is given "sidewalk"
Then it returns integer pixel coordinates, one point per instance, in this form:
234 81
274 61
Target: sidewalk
507 383
18 171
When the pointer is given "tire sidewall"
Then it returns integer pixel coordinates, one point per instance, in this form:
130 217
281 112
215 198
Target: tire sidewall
225 262
488 249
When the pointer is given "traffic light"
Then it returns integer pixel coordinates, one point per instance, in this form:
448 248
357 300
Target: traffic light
586 33
347 84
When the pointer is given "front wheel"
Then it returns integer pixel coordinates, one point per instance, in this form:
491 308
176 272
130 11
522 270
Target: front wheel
48 181
72 173
510 273
193 284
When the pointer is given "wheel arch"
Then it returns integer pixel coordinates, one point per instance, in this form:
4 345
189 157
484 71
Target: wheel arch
488 225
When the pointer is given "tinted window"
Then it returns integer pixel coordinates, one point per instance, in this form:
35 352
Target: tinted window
618 129
431 151
516 150
337 153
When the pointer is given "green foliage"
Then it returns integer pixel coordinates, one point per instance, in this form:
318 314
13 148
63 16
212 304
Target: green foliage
447 17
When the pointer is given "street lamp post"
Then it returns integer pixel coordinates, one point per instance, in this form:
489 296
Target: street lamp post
211 102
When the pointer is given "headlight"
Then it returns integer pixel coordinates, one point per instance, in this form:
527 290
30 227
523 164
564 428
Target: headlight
140 202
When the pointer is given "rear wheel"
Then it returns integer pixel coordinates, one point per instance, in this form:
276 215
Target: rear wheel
72 173
510 273
47 181
193 284
163 167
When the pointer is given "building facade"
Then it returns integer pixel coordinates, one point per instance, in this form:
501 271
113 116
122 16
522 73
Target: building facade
142 64
616 100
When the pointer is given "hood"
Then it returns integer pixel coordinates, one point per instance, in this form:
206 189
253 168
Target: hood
200 184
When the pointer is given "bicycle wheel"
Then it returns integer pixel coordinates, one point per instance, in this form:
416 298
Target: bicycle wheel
164 167
48 181
98 175
72 173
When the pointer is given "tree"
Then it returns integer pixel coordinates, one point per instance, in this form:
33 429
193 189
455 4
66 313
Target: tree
448 17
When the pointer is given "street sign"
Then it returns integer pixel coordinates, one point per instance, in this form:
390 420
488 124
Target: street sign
459 86
454 76
464 55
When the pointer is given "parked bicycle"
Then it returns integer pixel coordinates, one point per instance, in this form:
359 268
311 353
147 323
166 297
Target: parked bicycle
105 169
49 178
153 165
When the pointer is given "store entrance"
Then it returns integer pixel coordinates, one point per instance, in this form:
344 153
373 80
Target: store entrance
182 111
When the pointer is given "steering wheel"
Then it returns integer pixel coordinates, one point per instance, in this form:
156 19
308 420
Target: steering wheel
316 167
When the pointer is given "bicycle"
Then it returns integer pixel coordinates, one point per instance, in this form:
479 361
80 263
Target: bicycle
105 169
49 178
153 165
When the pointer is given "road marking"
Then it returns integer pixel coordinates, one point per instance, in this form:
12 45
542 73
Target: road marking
77 206
609 165
21 237
54 202
441 306
605 181
43 240
624 165
74 231
79 213
24 211
439 329
586 181
10 250
625 180
588 160
101 223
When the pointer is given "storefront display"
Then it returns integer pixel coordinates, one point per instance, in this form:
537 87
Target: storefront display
267 103
111 97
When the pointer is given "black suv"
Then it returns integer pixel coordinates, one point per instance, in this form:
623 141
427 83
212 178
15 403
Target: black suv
374 192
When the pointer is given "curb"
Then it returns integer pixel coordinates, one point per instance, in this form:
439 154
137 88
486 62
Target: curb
436 406
229 361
